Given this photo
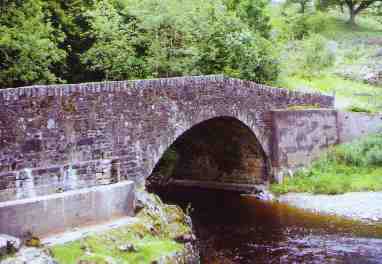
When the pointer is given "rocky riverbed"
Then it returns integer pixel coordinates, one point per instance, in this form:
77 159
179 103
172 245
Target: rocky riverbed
363 206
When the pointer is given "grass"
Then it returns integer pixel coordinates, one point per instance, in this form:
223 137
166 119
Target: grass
101 249
351 167
338 29
352 53
348 93
152 236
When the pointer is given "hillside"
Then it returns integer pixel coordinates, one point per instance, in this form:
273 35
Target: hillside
334 58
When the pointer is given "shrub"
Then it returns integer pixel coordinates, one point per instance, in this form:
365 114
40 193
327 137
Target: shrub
299 26
313 56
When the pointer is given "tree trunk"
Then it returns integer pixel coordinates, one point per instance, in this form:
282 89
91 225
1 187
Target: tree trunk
302 7
352 15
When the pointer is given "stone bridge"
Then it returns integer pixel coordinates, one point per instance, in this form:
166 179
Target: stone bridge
63 137
72 154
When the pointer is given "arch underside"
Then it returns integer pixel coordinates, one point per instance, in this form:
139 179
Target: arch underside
220 150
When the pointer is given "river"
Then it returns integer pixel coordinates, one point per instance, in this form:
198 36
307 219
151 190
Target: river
232 228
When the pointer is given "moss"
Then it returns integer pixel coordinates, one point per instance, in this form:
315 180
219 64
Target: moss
304 107
100 248
358 109
152 236
33 241
69 105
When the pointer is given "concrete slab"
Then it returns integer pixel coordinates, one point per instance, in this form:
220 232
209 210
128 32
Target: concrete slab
59 212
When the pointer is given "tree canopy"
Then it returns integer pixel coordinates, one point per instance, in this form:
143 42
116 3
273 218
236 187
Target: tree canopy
73 41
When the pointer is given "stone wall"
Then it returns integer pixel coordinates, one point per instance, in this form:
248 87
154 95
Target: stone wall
299 137
355 125
63 137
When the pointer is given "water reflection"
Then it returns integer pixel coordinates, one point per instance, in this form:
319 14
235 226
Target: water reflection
240 229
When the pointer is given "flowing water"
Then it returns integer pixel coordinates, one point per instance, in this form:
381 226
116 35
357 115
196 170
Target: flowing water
240 229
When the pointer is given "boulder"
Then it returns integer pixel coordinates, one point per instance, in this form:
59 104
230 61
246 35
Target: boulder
9 244
185 238
128 248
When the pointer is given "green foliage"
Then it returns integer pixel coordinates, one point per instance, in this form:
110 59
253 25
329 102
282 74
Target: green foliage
28 45
101 249
57 40
311 57
304 4
69 16
354 166
112 53
299 26
153 38
252 12
168 163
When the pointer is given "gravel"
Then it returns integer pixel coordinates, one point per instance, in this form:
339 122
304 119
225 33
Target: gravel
363 206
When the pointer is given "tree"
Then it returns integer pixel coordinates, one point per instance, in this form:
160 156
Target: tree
112 54
69 17
303 4
253 13
28 45
355 7
152 38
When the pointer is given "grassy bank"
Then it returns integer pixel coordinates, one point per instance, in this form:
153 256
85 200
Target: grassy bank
332 57
349 167
145 241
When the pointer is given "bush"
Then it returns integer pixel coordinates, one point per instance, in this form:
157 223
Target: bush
313 56
299 26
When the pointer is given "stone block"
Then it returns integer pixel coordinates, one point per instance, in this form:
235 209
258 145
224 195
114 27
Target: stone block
59 212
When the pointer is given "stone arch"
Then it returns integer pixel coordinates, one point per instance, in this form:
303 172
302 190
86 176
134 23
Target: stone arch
222 149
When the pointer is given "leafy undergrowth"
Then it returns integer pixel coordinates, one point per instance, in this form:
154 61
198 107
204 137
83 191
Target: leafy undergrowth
351 167
152 238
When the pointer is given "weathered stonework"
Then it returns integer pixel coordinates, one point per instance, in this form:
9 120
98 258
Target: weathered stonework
219 150
299 137
64 137
355 125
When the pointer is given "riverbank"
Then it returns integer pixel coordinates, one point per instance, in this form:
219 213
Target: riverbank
362 206
159 233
